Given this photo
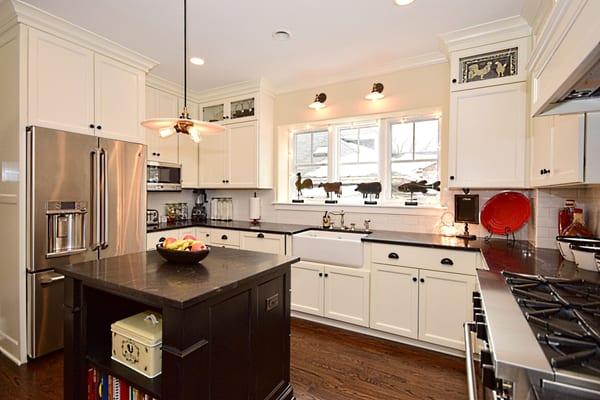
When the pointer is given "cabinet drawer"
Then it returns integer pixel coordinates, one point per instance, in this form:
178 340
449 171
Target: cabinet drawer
222 236
456 261
263 242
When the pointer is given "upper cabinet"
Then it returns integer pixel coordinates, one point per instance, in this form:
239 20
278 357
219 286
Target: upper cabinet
160 104
564 149
494 64
488 137
72 88
231 110
566 49
488 119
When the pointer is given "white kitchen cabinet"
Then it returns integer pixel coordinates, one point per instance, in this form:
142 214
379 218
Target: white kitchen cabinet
262 242
445 303
225 237
152 238
61 84
488 128
241 108
119 100
72 88
307 287
346 294
213 161
188 151
467 67
203 234
564 150
395 300
243 155
160 104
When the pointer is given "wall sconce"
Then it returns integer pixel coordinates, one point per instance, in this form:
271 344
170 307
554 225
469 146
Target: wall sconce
319 102
376 92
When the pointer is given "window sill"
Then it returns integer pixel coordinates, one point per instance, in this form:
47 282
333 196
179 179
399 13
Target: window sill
395 209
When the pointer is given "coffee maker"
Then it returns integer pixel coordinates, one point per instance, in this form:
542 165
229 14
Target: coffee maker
199 210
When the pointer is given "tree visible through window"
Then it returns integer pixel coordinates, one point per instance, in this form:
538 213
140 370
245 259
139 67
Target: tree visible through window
414 156
358 157
311 156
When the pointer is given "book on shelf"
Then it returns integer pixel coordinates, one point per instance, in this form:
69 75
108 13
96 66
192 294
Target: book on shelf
103 386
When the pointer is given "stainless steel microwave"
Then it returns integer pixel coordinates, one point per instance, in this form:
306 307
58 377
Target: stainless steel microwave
163 177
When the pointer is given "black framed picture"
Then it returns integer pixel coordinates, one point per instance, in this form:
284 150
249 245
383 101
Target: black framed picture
466 208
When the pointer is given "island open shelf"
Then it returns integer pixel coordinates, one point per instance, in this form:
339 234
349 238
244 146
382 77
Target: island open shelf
226 323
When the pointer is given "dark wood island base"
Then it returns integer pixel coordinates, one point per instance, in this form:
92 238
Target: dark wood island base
226 324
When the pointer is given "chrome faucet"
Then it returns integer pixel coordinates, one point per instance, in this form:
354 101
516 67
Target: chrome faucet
366 224
341 214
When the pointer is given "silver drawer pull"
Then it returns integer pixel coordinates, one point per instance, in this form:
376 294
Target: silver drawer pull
52 280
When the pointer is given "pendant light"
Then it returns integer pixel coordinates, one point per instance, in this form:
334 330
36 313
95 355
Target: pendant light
184 124
319 102
376 92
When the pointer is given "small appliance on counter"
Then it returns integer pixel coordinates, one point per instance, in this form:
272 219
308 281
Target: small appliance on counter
152 217
221 209
199 209
466 210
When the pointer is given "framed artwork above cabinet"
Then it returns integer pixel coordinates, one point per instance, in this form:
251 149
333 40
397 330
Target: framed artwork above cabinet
494 64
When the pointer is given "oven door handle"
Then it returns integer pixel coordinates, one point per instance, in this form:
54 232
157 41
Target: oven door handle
471 382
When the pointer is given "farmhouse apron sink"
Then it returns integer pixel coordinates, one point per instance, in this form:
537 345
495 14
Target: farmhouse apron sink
338 248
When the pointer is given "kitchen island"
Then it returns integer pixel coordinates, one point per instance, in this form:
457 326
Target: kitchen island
226 323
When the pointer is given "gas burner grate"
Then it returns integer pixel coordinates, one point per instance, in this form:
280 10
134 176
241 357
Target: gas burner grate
565 316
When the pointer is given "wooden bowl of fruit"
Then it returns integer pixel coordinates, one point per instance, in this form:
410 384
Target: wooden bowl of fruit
188 250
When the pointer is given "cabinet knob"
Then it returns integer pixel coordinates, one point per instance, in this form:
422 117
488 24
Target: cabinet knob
326 275
454 80
393 256
414 279
320 274
451 177
224 237
99 127
260 236
422 280
92 126
447 261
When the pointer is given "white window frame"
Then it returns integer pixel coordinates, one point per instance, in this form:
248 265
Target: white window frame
385 164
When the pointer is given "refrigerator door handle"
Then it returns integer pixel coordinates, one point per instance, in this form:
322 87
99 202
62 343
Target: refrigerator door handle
104 180
95 245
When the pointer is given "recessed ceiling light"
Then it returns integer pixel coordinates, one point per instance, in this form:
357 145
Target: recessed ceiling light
197 61
403 2
281 35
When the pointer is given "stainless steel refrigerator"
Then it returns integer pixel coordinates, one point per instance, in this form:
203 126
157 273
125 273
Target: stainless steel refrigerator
86 200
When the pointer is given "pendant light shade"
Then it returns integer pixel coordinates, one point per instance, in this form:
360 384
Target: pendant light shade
184 124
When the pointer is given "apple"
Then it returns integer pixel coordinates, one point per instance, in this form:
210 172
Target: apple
198 246
168 241
189 237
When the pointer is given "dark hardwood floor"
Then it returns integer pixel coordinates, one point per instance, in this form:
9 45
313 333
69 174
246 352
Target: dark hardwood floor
327 364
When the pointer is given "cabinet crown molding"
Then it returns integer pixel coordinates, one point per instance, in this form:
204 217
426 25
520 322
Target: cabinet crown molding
500 30
209 95
17 12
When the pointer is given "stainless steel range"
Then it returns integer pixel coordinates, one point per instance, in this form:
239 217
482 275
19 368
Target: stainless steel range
540 337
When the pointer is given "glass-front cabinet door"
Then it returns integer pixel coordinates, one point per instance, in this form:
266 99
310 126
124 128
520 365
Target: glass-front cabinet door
232 109
213 112
242 108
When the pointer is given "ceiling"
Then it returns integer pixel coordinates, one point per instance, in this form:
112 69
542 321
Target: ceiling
332 40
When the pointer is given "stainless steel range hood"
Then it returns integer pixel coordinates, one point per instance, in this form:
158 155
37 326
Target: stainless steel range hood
584 94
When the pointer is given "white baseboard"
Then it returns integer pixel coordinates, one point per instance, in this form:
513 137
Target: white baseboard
378 334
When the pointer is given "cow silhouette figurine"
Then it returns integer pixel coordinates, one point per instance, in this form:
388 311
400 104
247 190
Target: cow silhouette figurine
300 184
332 187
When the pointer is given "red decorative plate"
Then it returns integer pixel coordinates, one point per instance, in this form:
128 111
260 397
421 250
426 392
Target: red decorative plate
505 213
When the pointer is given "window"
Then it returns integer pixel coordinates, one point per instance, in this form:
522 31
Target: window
414 157
311 159
358 157
388 151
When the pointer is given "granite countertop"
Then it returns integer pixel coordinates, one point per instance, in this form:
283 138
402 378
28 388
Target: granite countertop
499 254
265 227
147 275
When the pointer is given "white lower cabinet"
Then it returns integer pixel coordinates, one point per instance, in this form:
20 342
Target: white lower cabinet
395 300
153 237
263 242
346 294
307 287
340 293
203 234
444 305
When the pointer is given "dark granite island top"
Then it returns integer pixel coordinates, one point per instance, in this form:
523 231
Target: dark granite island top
225 332
148 276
